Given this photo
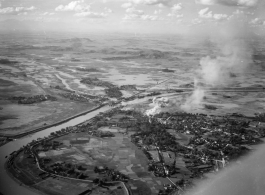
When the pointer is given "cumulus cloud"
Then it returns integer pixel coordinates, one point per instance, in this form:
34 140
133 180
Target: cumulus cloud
47 14
152 2
127 5
175 11
157 11
149 17
76 6
205 2
107 10
176 7
17 10
205 14
175 15
135 14
243 3
132 10
220 16
196 21
90 15
257 21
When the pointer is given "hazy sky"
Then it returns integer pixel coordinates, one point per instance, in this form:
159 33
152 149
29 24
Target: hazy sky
161 16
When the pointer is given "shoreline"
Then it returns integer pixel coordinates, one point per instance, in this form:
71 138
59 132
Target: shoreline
19 135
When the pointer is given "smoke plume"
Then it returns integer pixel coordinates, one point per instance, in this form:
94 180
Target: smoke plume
233 58
195 99
158 104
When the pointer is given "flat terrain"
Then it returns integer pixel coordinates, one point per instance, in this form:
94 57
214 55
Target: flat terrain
35 65
117 153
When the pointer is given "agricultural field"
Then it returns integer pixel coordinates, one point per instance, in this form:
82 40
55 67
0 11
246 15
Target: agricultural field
116 153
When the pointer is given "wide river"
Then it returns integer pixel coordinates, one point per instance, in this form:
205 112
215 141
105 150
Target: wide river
7 185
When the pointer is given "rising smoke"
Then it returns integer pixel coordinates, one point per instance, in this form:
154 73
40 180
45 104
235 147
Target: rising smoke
233 59
195 99
157 104
248 176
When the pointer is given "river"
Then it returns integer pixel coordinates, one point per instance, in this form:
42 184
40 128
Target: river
10 187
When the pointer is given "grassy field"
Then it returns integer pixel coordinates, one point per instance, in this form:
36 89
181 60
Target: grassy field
116 152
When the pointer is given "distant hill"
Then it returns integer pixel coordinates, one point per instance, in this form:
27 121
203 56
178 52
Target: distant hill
135 54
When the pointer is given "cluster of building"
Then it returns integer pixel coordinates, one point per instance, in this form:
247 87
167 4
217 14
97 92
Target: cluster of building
111 174
201 143
212 142
260 117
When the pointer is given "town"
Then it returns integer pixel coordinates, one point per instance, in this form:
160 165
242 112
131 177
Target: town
177 148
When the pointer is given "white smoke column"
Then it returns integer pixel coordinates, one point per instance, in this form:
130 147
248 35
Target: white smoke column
234 59
158 104
196 98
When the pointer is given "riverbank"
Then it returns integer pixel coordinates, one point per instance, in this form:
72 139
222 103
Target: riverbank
16 136
7 185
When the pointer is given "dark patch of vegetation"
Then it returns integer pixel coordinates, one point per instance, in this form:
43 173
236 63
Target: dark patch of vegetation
88 69
33 99
167 70
128 87
210 107
113 92
97 82
7 61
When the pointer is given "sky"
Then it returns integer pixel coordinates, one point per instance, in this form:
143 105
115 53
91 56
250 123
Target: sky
135 16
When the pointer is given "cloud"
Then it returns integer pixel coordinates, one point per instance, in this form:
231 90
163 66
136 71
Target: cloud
203 13
196 21
176 7
257 21
175 15
133 14
107 10
47 14
90 15
243 3
157 11
209 15
17 10
132 10
220 16
126 5
149 17
77 6
175 10
238 12
160 3
205 2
